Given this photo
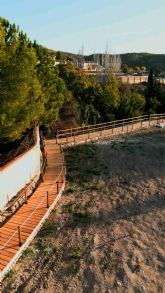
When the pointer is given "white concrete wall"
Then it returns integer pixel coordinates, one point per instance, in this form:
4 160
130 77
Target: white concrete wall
16 175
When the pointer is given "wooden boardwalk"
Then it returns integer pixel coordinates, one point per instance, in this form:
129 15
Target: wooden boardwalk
30 216
103 133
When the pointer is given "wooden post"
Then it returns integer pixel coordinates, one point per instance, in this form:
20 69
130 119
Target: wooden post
132 123
88 133
149 120
127 126
101 132
25 197
122 126
57 186
57 137
47 199
46 159
141 123
74 137
19 235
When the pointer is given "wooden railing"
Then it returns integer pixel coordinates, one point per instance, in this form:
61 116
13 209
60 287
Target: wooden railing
59 179
45 200
73 132
26 192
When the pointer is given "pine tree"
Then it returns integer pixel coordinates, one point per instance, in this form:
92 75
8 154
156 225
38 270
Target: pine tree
20 92
152 94
53 86
150 84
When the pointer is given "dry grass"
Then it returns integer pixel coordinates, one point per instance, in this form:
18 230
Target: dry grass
108 232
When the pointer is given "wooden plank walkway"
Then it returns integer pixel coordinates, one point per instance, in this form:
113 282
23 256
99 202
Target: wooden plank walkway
30 215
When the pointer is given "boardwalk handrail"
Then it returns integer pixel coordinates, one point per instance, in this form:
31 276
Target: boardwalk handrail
71 132
63 170
30 186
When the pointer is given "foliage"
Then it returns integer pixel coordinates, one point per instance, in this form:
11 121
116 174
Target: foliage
109 101
153 95
59 55
20 94
138 60
9 275
83 92
27 252
30 88
33 89
52 86
132 105
155 61
47 229
69 115
127 69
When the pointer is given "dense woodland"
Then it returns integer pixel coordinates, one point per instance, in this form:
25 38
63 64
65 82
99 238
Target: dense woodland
33 90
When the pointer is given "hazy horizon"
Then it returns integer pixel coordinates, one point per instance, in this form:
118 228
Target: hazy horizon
149 53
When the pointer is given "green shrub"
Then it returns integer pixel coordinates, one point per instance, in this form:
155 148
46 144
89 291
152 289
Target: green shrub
9 274
27 252
47 229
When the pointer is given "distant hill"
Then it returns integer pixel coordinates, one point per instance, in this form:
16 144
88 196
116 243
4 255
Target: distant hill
154 61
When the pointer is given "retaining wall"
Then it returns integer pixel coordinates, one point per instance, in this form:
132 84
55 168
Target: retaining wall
19 172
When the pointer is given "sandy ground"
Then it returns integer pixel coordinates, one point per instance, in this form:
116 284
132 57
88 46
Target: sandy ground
107 234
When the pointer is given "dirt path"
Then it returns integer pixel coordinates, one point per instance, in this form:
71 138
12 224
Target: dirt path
108 232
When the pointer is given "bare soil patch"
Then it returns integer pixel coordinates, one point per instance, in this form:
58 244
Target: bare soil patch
107 234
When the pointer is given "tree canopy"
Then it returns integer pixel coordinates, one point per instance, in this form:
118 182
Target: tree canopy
33 89
30 89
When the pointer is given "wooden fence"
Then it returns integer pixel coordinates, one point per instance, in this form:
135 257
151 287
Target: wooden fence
63 136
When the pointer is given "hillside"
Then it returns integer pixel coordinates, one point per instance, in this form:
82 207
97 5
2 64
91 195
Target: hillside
107 233
154 61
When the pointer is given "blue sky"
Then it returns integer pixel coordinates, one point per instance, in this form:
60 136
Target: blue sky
126 25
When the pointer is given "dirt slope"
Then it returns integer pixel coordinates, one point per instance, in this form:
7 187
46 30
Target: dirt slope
107 234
